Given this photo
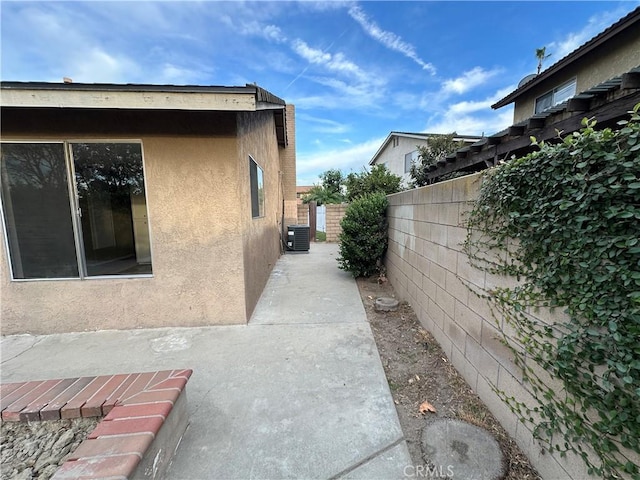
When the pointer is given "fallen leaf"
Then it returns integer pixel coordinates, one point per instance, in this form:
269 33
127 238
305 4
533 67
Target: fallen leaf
426 407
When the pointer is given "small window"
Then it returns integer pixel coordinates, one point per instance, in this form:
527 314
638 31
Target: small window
395 141
556 96
410 159
256 180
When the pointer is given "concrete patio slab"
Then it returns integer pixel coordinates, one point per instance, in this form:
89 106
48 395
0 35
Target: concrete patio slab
310 289
298 393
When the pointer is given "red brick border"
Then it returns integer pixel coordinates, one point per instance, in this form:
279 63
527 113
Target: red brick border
135 407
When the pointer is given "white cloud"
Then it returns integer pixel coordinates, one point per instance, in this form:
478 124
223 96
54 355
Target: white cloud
388 39
341 96
350 159
355 90
72 42
62 49
467 124
312 55
323 125
596 24
468 106
269 32
471 117
177 75
97 65
324 6
468 80
336 63
350 86
274 33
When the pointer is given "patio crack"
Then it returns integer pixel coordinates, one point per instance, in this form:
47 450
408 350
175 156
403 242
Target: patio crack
36 342
368 459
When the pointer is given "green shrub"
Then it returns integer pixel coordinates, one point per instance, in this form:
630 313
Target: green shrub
379 179
363 240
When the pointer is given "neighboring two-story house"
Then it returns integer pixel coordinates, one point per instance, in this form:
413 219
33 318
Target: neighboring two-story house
400 150
613 52
600 79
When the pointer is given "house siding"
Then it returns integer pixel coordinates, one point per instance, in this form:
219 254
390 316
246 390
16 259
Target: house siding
393 157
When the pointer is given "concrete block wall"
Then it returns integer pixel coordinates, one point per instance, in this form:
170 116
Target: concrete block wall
303 214
335 212
428 269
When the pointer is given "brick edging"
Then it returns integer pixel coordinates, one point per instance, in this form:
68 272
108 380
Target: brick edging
135 407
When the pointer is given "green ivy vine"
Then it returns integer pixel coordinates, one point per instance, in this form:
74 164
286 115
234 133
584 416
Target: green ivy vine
565 221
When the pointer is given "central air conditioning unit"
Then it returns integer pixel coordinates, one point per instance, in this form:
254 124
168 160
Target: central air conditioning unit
298 238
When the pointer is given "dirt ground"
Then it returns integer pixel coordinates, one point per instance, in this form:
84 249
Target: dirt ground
418 370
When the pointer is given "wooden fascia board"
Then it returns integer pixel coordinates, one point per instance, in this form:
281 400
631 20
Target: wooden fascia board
146 100
381 149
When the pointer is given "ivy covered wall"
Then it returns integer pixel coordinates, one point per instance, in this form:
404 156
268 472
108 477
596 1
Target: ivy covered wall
541 297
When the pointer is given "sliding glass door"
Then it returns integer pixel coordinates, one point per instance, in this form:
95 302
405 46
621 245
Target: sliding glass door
37 211
95 225
113 212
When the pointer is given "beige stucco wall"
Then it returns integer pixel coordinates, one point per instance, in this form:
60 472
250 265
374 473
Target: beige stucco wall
616 57
427 268
210 258
195 229
261 236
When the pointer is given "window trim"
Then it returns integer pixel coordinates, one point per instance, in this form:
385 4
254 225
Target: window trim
553 93
73 204
259 175
413 157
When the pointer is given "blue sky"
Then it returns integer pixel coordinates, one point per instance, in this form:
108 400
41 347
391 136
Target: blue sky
354 70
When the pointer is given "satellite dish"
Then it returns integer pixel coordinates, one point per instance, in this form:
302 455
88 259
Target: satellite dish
531 76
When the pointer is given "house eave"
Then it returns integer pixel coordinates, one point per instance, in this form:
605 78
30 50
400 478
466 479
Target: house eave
135 96
607 102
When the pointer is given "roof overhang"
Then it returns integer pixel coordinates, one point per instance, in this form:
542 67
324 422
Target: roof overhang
608 103
104 96
137 97
631 20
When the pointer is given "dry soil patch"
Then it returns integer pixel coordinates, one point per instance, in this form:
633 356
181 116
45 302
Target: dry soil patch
418 371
